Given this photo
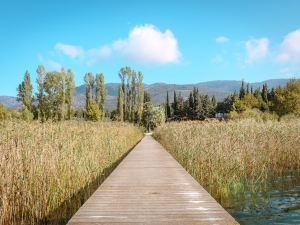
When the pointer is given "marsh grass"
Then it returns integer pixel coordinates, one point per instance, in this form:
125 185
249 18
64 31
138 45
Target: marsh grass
230 157
48 170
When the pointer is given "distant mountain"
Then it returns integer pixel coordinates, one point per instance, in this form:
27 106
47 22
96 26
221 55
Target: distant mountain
9 102
220 89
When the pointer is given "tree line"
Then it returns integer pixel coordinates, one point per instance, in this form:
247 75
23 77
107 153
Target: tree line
279 101
54 98
196 107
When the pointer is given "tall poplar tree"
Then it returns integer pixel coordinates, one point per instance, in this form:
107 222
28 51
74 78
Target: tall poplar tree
91 109
25 96
70 88
41 73
133 96
122 75
140 97
120 104
100 94
128 95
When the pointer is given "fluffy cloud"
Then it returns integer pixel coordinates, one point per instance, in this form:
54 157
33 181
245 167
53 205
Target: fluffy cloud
95 55
147 45
290 48
256 49
222 39
70 50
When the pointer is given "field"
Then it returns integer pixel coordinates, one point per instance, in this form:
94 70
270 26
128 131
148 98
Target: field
226 157
48 170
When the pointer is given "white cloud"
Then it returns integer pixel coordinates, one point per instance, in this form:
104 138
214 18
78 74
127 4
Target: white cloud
54 65
222 39
147 45
72 51
95 55
256 49
290 48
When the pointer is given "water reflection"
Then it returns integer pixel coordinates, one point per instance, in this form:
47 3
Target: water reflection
274 202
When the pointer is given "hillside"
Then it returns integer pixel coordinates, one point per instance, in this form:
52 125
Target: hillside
220 89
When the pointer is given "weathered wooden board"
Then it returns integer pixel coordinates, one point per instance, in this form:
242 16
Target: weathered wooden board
150 187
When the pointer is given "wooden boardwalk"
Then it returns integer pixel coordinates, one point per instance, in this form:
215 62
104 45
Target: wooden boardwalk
150 187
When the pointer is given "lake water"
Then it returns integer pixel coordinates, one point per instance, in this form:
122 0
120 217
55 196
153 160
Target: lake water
277 202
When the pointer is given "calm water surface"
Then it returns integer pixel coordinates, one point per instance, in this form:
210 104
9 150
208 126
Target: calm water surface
277 202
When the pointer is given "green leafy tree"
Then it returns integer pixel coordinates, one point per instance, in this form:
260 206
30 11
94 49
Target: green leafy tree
287 99
140 97
92 111
133 97
120 104
128 95
100 94
41 107
25 96
70 88
122 75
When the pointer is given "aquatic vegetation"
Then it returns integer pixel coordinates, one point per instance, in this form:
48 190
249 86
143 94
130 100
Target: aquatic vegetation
48 170
228 157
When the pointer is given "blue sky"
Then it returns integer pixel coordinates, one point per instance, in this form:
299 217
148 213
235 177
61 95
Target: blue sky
169 41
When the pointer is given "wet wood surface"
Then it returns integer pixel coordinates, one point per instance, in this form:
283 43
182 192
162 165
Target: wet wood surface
150 187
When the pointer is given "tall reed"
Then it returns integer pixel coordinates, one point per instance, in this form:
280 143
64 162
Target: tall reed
225 156
44 167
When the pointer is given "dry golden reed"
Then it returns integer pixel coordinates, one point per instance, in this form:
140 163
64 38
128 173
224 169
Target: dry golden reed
225 156
44 167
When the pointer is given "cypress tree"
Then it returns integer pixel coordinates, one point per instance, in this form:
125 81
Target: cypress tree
264 93
191 106
168 108
175 105
242 91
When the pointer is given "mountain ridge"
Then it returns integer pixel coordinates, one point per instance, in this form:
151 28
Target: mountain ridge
219 88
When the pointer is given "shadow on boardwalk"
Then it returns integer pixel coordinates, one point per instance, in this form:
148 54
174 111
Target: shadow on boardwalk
66 210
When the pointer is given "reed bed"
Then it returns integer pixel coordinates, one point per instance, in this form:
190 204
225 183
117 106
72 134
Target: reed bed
48 170
226 157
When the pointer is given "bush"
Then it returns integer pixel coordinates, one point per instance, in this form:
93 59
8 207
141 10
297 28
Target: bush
253 114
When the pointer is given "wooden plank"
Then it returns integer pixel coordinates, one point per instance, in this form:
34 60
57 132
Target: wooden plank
150 187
